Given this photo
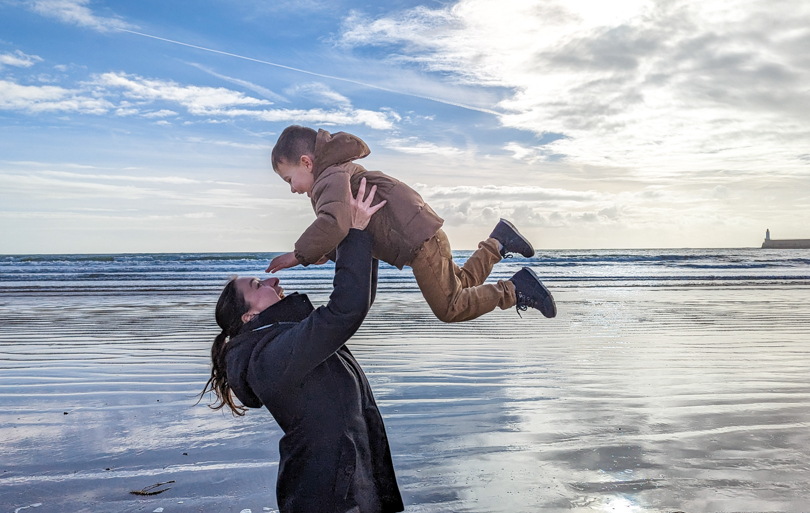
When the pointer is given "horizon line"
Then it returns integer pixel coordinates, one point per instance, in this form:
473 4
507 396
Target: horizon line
454 250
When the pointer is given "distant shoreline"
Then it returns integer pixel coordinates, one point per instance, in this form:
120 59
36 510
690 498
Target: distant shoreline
269 253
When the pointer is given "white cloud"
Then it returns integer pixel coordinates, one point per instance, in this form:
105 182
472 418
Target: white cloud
652 86
508 193
232 144
372 119
42 187
543 207
320 93
530 154
18 59
262 91
76 12
212 102
529 205
163 113
413 146
176 180
125 112
37 99
56 188
46 78
198 100
222 102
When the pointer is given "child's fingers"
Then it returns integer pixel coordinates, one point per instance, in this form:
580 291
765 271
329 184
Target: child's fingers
276 264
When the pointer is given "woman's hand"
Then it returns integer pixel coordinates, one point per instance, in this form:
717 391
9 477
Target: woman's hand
361 208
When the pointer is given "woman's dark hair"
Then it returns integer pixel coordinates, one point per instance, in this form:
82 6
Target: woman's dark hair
231 306
293 142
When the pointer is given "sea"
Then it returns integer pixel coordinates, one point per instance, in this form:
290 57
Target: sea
670 380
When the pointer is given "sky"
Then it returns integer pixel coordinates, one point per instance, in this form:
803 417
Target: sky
147 126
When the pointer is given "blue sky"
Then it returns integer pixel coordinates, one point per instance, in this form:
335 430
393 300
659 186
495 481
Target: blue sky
634 124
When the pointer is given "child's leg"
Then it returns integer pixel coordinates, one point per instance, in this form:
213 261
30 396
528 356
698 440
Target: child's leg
441 282
476 269
505 238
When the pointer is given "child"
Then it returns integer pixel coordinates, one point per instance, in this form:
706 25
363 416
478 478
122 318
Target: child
406 232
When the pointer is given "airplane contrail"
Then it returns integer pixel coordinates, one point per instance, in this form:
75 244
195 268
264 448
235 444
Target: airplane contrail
331 77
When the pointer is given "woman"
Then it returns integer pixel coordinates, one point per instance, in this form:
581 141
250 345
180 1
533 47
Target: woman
278 351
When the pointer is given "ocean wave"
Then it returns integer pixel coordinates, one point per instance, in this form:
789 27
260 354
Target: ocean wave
61 258
192 271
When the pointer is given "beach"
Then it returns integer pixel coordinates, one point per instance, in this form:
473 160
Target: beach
671 380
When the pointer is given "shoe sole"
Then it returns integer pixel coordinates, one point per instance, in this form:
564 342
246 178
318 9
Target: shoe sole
510 225
548 295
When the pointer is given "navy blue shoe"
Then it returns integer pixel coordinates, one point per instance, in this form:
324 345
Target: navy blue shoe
531 292
511 240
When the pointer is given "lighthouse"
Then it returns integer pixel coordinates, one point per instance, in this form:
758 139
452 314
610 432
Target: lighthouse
769 243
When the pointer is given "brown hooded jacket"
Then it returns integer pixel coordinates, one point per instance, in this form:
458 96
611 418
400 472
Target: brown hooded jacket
398 230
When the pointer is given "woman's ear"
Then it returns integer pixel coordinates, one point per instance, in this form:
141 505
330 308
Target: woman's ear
247 317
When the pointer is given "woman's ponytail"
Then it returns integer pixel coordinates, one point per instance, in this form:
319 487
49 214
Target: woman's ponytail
230 308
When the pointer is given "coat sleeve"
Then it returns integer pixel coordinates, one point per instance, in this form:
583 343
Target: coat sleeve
333 193
289 357
375 269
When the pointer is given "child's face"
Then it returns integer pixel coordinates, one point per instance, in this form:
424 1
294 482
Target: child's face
298 175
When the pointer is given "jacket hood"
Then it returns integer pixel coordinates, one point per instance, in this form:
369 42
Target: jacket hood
331 150
292 309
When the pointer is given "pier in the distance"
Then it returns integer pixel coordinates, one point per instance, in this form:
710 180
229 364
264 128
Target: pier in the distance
770 243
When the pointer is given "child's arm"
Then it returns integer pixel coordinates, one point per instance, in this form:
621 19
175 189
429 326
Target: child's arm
284 261
333 195
288 260
334 211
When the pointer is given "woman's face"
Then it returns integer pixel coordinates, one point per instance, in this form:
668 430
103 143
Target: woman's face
259 294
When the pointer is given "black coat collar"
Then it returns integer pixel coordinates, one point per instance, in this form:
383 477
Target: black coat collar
293 308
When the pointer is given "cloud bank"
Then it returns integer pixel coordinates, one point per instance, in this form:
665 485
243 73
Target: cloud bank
127 95
651 86
41 99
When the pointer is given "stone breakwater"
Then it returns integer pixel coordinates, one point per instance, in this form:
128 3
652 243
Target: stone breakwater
786 244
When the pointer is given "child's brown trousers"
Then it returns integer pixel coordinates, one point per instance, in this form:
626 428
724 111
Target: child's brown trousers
456 293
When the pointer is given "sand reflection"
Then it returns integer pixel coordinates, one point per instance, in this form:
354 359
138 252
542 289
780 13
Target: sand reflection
633 399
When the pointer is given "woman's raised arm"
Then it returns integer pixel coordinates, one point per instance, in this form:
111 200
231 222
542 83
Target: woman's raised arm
294 353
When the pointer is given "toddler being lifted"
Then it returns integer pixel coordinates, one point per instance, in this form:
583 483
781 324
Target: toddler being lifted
406 232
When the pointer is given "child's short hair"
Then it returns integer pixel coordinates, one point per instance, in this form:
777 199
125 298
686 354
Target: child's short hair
293 142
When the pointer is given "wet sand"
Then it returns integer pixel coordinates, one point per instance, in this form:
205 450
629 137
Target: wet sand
633 399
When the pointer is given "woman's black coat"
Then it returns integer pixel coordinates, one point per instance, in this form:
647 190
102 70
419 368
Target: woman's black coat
292 359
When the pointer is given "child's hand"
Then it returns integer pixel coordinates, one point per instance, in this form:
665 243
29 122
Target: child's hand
284 261
361 208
